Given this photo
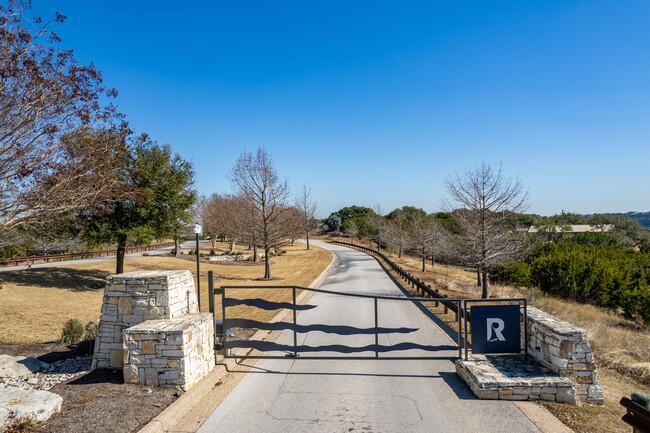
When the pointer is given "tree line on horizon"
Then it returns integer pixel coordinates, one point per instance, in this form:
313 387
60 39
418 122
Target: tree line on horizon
608 268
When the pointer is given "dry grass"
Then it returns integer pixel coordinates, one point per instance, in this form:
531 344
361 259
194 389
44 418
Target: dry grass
586 418
35 303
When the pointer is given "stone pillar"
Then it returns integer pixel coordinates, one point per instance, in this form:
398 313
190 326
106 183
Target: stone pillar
132 298
170 352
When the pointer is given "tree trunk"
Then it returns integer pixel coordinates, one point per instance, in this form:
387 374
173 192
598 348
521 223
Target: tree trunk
232 246
307 236
121 251
424 263
254 252
400 252
177 247
485 284
433 263
478 276
267 263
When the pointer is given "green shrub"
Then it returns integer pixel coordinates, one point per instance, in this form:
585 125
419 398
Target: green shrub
73 331
92 328
514 273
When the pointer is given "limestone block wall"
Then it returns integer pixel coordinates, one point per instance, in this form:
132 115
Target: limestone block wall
564 348
132 298
169 352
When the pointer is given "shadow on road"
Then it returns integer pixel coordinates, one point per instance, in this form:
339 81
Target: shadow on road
75 280
259 370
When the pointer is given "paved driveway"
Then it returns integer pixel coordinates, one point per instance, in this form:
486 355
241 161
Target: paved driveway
361 396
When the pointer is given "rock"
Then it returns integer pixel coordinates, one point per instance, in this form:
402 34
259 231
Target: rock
18 365
17 405
130 373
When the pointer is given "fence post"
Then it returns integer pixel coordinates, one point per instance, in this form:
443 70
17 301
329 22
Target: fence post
437 291
295 337
446 309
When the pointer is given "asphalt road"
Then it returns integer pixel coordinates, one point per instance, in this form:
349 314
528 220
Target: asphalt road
370 396
188 244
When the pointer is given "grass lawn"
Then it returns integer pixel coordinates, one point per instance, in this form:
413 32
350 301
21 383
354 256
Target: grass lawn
35 303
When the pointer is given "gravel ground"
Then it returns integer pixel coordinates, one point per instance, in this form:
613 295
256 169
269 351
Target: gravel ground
96 401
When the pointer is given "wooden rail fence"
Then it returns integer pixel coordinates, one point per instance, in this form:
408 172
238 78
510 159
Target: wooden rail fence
84 255
420 286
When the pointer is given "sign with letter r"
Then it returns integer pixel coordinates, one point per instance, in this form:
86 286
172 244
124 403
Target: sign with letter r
496 329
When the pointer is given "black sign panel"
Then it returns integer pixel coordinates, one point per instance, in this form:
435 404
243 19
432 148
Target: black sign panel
496 329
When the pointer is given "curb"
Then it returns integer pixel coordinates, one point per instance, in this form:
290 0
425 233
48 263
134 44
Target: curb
541 417
188 413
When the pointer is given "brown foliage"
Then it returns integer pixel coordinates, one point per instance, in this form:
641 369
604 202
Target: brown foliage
45 93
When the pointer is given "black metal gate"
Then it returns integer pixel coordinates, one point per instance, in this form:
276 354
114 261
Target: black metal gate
228 343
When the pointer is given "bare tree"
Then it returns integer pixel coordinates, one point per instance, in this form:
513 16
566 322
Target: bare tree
426 236
249 223
44 92
380 227
351 229
293 227
307 207
257 181
398 234
212 214
488 201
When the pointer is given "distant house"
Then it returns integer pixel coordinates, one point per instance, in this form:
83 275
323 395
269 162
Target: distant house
572 229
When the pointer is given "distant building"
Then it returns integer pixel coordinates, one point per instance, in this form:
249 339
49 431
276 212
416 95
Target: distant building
573 229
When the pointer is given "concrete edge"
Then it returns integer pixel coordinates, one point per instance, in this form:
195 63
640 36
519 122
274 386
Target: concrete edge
541 417
197 396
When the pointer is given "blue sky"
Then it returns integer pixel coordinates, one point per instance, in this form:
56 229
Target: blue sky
377 102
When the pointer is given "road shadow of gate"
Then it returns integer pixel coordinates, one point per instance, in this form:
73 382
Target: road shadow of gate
253 368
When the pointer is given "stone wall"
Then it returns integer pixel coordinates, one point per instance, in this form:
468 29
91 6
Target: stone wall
496 377
564 348
132 298
171 352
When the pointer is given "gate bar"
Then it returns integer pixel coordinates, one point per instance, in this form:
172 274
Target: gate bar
295 338
376 331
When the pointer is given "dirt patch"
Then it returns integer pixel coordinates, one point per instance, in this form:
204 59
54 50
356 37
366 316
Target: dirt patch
46 352
600 419
98 401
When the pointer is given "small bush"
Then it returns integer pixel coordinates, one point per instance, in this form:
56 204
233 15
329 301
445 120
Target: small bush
73 331
92 328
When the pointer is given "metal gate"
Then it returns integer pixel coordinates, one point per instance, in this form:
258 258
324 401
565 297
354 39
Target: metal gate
228 342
